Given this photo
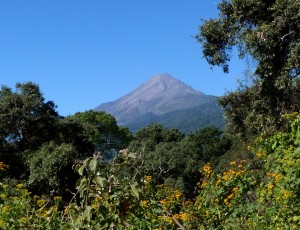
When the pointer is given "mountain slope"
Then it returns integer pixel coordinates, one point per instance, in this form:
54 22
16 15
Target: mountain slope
159 99
186 120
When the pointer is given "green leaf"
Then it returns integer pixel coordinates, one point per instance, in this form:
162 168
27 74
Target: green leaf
296 218
100 180
80 170
93 165
87 213
135 190
131 155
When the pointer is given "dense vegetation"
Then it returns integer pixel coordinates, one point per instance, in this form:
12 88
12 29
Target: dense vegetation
86 172
269 33
186 120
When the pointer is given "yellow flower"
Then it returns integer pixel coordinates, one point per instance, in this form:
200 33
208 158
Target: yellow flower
184 216
286 194
41 202
148 179
207 213
233 163
235 189
270 186
145 203
240 172
230 196
98 198
178 194
204 183
46 213
259 154
188 203
218 182
226 201
278 177
176 216
207 169
164 202
271 174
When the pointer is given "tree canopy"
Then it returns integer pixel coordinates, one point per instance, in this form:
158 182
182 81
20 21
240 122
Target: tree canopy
26 122
102 130
269 32
36 142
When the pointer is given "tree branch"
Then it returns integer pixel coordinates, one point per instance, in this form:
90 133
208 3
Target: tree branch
284 36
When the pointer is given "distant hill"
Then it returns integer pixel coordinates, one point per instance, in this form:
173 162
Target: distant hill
168 101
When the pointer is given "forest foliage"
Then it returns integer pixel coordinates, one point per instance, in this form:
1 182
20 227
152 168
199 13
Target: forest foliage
86 172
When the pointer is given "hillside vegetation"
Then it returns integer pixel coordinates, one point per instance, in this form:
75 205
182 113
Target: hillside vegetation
86 172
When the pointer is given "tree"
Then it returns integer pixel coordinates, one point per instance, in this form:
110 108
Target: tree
268 31
173 159
148 137
36 142
175 164
51 168
102 130
210 144
26 122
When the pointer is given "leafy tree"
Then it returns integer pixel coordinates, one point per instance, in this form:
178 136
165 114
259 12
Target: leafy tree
102 130
175 160
268 31
51 168
210 144
175 164
147 138
26 122
36 142
72 132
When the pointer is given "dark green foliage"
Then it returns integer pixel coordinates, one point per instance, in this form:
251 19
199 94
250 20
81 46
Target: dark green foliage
268 31
238 151
73 133
175 160
185 120
102 130
51 168
26 122
147 138
210 144
32 131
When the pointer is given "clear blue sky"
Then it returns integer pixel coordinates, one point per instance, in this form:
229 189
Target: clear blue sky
86 52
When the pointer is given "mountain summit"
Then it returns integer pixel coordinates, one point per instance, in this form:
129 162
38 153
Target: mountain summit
160 95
